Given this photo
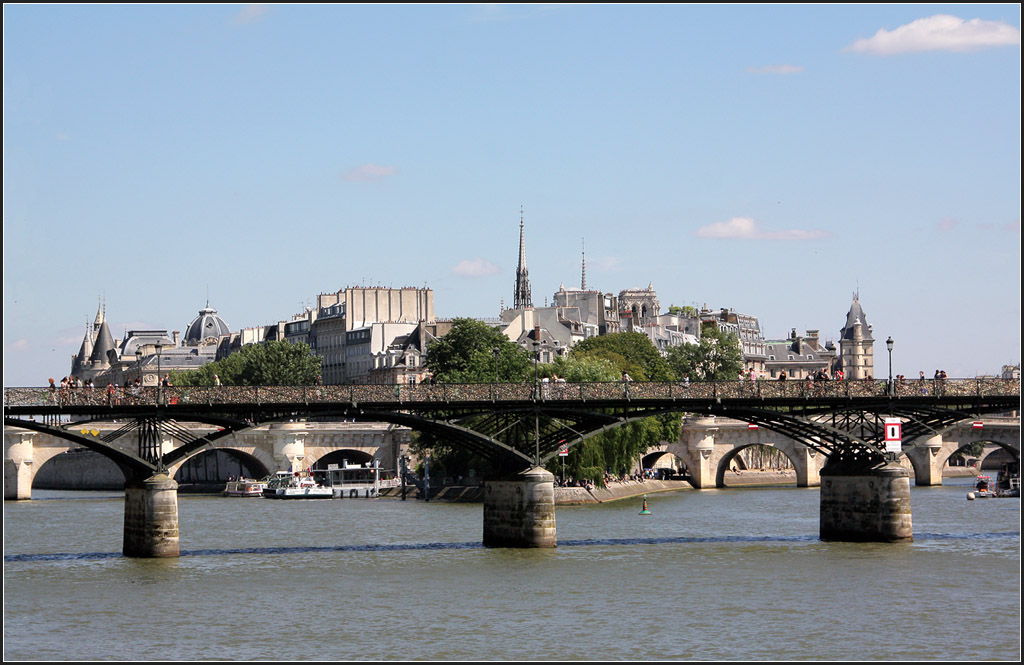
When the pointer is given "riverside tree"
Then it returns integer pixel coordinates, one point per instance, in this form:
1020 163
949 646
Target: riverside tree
717 357
466 354
274 363
605 358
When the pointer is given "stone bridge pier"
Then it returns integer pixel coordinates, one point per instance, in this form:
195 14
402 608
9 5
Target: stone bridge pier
18 460
867 505
926 461
151 517
520 511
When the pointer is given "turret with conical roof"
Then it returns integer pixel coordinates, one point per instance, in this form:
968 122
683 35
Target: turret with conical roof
856 344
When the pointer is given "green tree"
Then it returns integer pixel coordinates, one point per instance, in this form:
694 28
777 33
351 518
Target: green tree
584 368
466 355
269 364
631 352
717 357
604 358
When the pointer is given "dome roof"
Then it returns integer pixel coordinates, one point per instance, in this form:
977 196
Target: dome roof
206 326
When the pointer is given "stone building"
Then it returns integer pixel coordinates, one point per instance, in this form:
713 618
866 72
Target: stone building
638 309
747 329
147 355
360 309
799 356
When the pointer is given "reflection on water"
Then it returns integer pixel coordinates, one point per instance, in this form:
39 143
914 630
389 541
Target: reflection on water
712 575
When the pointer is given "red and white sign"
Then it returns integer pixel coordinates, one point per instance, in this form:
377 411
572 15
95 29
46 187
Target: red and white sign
978 424
563 450
751 426
893 435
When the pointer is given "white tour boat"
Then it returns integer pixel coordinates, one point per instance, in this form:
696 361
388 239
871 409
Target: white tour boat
245 487
363 481
299 487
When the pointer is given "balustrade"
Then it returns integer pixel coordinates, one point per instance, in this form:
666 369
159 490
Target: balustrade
503 392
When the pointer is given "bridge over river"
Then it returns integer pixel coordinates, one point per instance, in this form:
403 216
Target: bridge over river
522 426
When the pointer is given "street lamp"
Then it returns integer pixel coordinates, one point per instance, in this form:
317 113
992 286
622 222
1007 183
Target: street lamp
497 352
888 345
159 378
138 362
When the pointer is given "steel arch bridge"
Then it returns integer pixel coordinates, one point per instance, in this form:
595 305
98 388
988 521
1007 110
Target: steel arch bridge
515 426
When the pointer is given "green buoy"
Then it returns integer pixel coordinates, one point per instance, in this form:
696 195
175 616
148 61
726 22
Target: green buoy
645 511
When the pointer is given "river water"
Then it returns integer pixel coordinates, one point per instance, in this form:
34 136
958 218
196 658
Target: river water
710 575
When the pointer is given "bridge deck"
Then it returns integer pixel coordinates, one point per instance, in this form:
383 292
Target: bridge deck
594 395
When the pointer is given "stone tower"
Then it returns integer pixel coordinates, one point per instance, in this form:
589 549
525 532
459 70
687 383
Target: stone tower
856 344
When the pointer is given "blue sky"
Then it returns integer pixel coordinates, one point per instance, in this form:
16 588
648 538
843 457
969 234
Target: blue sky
771 159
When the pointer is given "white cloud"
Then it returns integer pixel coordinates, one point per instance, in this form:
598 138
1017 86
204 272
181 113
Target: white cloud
947 224
776 69
745 228
251 13
609 263
18 345
939 33
369 173
475 268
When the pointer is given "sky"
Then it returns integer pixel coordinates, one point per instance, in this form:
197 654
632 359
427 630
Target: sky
771 159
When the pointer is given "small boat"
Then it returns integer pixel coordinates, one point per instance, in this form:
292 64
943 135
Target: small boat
245 487
300 487
983 489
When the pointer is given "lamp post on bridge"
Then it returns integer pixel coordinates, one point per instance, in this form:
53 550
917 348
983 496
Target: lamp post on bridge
159 378
888 345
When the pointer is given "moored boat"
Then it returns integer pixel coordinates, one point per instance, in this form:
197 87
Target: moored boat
299 487
363 481
245 487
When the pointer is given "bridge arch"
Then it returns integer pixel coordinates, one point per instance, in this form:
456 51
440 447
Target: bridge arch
55 468
732 459
213 466
664 459
339 457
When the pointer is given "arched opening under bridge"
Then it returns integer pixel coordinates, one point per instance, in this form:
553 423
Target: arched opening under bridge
756 464
210 470
664 465
79 469
340 457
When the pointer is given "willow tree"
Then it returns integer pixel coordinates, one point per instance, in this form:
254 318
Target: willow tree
616 451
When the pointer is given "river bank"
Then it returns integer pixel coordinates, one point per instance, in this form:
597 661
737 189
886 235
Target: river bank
616 491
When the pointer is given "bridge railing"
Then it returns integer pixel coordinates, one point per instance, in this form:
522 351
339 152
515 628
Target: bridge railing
426 393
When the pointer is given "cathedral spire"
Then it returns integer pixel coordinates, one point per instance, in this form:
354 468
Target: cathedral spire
522 297
583 280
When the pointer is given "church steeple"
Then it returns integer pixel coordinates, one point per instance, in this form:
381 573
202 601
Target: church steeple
583 279
522 298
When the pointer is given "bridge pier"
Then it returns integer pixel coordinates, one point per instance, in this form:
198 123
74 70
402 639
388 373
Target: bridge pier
701 443
804 461
924 457
866 505
18 466
151 517
520 512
